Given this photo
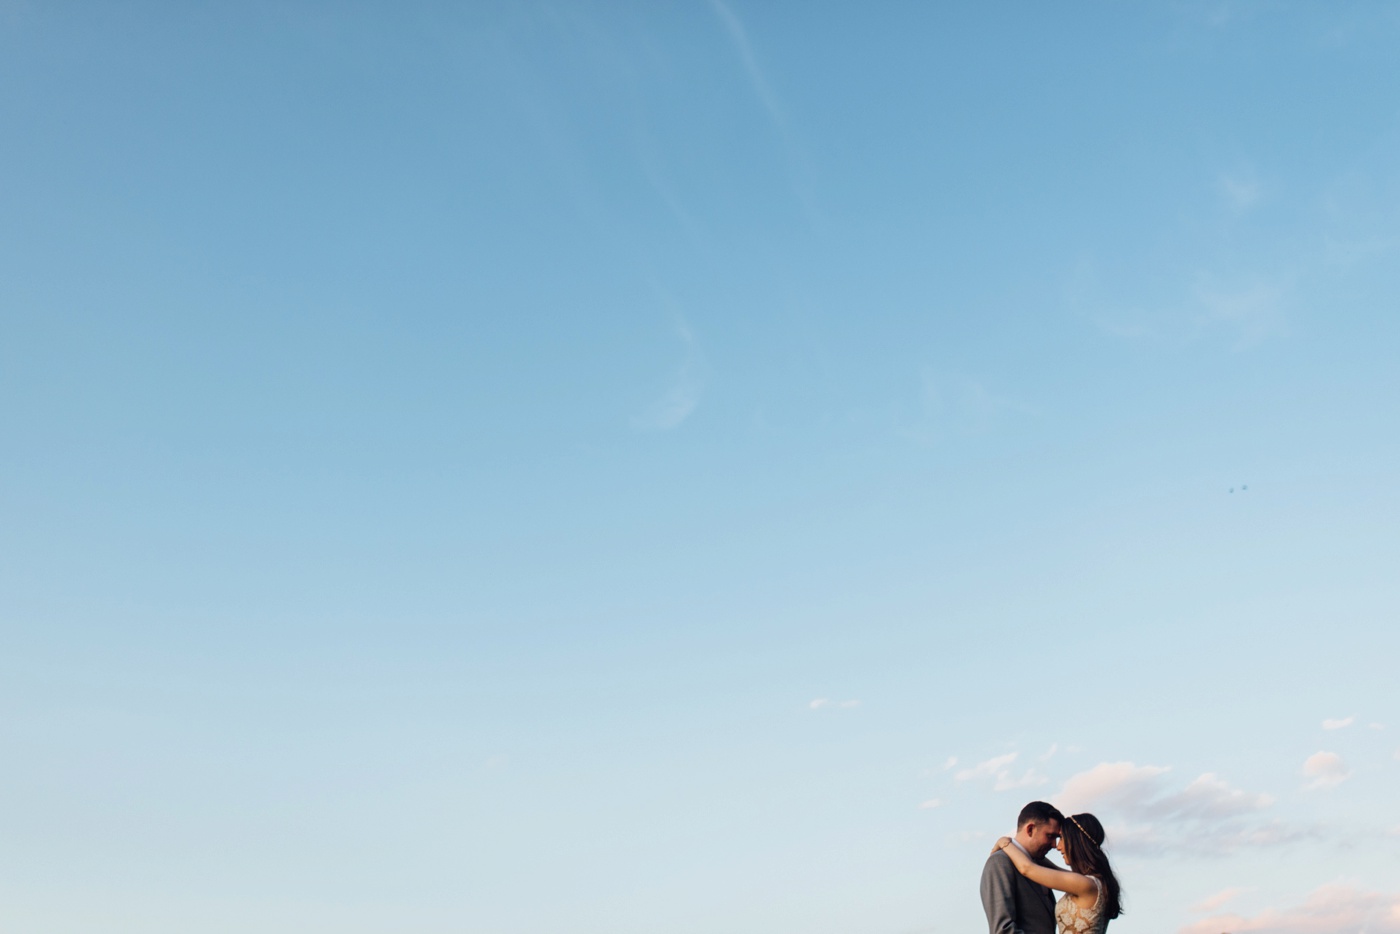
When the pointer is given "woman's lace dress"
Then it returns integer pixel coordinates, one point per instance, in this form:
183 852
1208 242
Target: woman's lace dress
1075 920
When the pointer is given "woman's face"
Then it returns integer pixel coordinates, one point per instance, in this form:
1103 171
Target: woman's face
1060 845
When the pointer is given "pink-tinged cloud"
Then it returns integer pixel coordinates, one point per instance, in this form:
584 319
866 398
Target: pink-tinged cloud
1209 797
1331 909
1136 790
1110 784
1325 770
1215 901
1142 814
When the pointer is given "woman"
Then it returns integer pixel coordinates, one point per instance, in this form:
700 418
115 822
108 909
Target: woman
1091 891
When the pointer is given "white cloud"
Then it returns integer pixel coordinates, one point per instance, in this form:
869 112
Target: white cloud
1328 910
821 703
1241 191
497 762
740 37
949 405
930 804
1215 901
1115 784
1210 798
1253 311
952 761
997 769
1376 726
1325 769
675 405
798 167
1347 253
1136 790
986 769
1142 814
682 398
1054 748
1338 724
1243 306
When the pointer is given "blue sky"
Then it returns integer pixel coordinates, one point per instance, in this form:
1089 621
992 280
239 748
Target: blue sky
520 467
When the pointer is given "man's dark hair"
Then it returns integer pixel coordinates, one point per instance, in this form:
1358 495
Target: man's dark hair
1040 812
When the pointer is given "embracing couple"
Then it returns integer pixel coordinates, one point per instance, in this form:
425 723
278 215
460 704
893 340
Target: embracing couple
1017 879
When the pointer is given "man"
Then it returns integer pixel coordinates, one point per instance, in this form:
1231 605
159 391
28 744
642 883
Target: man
1015 904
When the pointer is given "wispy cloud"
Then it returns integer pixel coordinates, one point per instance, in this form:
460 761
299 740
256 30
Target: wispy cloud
1324 770
1208 815
799 173
997 771
1213 902
1329 909
986 769
682 397
950 405
656 177
1252 310
1338 724
930 804
1241 190
1349 253
739 36
822 703
1245 307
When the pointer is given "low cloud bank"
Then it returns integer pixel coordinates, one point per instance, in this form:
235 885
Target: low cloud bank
1328 910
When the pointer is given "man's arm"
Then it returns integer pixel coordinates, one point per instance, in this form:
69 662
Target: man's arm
1043 872
999 878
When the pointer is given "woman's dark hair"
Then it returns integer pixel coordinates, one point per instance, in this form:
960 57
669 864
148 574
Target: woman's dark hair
1083 838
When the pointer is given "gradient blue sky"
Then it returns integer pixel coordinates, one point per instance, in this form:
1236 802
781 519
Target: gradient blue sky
515 467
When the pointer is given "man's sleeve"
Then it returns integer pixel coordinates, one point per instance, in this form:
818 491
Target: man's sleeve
999 895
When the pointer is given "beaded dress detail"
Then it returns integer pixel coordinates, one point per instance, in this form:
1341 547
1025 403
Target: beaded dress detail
1075 920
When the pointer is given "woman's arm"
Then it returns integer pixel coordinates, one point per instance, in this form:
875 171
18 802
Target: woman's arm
1058 879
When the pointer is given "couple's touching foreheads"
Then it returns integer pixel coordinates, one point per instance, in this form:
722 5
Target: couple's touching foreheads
1017 879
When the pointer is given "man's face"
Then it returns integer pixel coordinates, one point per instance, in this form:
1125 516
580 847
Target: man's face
1040 838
